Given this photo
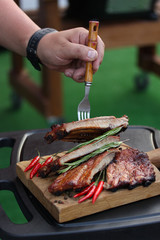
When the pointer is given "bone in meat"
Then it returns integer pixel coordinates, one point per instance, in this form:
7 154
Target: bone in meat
80 152
82 175
85 129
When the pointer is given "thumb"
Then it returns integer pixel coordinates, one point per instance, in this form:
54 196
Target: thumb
81 52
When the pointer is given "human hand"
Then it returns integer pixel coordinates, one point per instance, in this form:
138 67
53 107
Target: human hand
67 52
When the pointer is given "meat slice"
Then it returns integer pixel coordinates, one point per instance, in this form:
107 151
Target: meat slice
79 131
82 175
80 152
129 168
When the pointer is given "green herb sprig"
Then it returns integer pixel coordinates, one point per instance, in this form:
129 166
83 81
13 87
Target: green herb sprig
88 156
97 139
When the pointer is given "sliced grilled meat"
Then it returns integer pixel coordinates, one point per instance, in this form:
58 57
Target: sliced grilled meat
129 168
59 162
83 130
82 175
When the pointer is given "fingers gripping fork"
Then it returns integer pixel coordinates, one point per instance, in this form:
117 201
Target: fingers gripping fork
84 106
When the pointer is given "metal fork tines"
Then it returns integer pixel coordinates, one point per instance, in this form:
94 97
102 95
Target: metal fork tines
84 105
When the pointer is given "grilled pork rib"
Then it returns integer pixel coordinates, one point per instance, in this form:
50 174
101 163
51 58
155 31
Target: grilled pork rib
80 152
82 175
124 168
83 130
129 168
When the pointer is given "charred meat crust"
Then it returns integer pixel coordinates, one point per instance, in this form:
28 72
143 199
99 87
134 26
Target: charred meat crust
51 167
129 169
80 131
58 132
126 168
82 175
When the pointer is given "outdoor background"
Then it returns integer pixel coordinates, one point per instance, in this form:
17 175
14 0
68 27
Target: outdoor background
113 92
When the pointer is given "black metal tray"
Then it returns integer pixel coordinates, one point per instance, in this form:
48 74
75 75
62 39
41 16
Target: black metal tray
139 220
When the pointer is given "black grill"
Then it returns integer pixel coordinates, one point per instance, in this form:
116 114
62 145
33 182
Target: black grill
138 220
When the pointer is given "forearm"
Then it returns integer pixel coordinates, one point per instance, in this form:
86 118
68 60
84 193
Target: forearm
16 27
64 51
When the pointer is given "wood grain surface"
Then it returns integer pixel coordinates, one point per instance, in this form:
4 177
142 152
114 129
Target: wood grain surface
65 208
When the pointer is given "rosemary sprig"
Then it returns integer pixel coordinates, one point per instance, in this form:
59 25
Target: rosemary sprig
88 156
64 170
97 139
96 152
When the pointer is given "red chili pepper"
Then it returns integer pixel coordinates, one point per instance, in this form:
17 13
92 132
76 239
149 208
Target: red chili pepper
35 169
98 190
89 194
84 191
48 160
32 163
99 187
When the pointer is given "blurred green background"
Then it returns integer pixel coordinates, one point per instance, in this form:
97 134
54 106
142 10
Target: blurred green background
113 93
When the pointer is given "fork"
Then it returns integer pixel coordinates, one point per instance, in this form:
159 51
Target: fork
84 105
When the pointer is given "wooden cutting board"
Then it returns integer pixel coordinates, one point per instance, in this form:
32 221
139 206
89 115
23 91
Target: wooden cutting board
65 208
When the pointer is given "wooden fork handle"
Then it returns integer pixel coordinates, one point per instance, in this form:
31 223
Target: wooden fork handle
92 42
